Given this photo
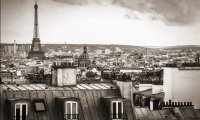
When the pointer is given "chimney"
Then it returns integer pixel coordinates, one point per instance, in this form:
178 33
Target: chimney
126 89
14 47
63 74
152 100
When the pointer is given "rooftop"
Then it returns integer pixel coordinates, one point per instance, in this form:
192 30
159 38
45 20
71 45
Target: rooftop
33 87
184 113
88 95
149 93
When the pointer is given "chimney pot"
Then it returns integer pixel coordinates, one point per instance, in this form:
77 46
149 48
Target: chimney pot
178 103
184 103
170 102
188 103
167 104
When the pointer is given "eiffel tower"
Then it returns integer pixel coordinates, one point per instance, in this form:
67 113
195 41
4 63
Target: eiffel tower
36 49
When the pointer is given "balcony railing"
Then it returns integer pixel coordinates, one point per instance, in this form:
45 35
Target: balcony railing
71 117
20 117
118 116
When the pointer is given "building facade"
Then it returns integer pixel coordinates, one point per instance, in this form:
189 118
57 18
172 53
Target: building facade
182 85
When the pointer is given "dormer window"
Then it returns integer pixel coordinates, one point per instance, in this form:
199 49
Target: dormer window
21 111
71 110
117 110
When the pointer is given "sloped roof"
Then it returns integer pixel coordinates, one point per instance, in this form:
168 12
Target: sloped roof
189 113
149 93
186 113
89 94
198 112
82 86
143 113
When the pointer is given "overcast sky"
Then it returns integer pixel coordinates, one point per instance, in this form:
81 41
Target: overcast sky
132 22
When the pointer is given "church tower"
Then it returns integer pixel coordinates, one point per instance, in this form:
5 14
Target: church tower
36 49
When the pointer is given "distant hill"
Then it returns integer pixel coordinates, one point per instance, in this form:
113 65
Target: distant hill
92 46
176 47
183 47
106 46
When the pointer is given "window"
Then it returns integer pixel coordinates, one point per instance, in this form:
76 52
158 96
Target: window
71 110
39 105
21 111
117 110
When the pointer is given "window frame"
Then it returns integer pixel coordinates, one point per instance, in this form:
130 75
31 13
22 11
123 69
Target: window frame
117 109
21 104
71 110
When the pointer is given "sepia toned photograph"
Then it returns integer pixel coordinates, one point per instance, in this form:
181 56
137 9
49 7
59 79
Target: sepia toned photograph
100 60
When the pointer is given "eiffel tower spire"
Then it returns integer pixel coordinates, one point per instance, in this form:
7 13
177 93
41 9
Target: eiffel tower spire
36 27
36 49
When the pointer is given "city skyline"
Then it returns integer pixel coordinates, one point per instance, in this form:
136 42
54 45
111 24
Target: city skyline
140 23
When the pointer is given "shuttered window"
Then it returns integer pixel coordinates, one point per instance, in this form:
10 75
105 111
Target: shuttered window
117 110
21 111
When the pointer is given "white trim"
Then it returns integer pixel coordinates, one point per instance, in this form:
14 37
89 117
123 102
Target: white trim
20 105
71 102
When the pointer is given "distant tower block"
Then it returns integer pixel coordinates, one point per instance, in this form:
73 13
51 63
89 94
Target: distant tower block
198 58
36 49
14 48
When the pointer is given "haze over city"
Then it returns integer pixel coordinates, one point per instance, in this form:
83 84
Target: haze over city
130 22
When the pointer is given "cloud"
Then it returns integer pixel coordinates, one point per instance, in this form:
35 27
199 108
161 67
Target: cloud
136 22
172 12
73 2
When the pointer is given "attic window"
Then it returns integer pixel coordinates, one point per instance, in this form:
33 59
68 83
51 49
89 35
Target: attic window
21 111
39 105
71 110
117 110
